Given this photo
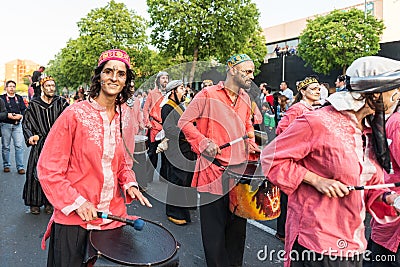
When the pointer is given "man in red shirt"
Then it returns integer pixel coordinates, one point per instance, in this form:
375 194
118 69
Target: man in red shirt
153 121
222 113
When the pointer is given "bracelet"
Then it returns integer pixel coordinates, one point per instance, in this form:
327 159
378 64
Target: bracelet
384 196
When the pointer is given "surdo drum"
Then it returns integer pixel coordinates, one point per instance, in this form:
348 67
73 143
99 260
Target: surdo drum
124 246
252 195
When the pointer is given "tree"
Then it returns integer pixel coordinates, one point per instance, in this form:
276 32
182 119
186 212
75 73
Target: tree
112 26
337 39
200 30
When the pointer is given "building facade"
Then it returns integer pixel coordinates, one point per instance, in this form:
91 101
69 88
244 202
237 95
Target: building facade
18 69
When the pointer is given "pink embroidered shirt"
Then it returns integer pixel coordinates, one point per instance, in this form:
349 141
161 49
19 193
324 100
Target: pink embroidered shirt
84 159
291 114
220 120
388 235
328 143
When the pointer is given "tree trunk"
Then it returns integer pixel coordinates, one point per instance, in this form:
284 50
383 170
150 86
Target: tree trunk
193 69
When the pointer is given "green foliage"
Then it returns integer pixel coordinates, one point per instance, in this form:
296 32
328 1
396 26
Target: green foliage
201 30
112 26
337 39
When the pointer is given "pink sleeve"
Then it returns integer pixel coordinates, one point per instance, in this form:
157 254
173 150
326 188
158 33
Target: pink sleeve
280 160
146 107
290 115
53 163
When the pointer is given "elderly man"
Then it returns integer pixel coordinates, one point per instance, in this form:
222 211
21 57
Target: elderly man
152 120
222 113
41 114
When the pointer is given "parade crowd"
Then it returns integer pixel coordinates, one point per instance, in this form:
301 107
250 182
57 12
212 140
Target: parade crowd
333 154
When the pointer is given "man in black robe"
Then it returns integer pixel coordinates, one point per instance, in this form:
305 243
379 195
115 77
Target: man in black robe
39 117
181 159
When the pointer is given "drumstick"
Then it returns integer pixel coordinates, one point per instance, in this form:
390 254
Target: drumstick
377 186
234 141
137 224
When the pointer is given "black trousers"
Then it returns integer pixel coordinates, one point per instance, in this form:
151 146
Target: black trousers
180 196
308 258
67 246
223 233
281 220
381 256
153 158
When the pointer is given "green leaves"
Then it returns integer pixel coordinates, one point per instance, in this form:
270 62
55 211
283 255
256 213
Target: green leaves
337 39
215 29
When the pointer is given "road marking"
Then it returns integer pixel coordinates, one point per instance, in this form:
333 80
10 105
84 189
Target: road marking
263 227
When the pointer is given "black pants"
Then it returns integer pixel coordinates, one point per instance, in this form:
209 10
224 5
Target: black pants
67 246
153 158
180 196
223 233
308 258
381 256
281 220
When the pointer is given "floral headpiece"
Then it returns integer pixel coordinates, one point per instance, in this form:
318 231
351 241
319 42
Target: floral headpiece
115 54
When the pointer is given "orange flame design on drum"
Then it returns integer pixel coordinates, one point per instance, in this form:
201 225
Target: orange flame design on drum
260 204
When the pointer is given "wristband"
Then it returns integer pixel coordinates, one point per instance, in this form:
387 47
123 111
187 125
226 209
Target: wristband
384 196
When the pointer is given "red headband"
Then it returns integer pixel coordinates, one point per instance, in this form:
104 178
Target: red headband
115 54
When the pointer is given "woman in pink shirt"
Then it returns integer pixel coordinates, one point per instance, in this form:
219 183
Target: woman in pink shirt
385 238
83 165
308 93
324 152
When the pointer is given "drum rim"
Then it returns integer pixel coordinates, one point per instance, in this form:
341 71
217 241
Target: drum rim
98 252
243 175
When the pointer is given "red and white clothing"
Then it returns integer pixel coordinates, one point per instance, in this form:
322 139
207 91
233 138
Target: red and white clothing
152 112
388 235
220 120
84 159
328 143
291 114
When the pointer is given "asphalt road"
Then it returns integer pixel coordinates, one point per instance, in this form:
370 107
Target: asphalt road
21 232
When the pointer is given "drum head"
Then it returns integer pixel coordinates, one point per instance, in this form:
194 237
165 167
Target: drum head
125 245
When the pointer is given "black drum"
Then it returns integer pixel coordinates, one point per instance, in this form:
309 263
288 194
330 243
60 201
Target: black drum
124 246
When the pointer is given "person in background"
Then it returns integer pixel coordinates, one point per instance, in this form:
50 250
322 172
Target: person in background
334 149
341 83
286 91
40 115
3 112
268 120
36 76
83 167
181 158
282 107
11 128
222 113
153 122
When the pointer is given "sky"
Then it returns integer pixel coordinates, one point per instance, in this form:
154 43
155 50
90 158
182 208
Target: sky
38 30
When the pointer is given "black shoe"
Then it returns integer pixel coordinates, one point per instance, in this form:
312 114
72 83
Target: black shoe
6 169
21 171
